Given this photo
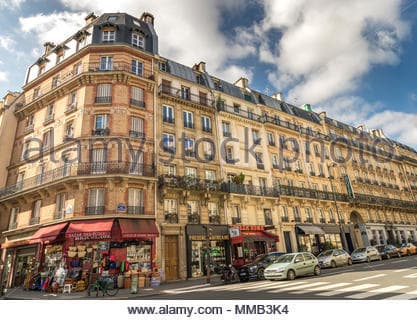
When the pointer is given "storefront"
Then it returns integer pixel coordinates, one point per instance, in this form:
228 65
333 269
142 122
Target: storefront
316 238
250 241
206 244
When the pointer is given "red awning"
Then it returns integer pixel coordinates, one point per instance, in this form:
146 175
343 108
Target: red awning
260 236
138 228
47 234
90 230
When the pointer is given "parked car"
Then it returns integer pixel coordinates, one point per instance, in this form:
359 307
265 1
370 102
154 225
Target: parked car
388 251
408 249
334 258
255 269
365 254
291 265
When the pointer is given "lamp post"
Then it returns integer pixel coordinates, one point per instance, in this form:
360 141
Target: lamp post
342 233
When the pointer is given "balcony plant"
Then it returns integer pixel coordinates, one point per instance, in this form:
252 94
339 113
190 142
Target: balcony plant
239 179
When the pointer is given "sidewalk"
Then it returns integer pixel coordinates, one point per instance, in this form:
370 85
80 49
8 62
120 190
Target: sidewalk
147 293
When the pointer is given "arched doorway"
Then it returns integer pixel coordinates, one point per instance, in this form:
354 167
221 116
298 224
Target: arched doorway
359 230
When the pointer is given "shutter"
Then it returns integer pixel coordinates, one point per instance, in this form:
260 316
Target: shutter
137 93
104 90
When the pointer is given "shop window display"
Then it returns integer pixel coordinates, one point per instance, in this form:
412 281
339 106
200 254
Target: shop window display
199 257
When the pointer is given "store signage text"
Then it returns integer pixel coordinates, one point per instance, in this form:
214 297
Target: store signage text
90 235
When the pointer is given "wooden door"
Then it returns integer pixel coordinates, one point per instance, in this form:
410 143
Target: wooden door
171 257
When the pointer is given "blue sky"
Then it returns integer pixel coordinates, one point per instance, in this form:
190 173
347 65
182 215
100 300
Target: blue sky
355 59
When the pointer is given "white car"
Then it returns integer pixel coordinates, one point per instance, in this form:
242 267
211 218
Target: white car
367 254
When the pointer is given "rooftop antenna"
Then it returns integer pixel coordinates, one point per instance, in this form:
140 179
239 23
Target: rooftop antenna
267 90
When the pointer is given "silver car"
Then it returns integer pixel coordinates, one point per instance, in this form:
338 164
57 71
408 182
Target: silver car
334 258
367 254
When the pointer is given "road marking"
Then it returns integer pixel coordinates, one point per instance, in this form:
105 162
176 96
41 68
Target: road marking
404 296
413 275
372 277
277 285
402 270
298 287
348 289
398 261
328 287
376 292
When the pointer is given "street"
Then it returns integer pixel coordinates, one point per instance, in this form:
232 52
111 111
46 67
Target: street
387 279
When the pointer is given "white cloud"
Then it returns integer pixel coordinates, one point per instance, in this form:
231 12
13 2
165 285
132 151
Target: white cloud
328 45
11 4
3 76
7 43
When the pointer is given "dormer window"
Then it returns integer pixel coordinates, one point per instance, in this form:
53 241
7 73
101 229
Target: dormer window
109 36
112 18
138 40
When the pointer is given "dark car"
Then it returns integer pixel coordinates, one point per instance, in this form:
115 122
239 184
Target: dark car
255 269
388 251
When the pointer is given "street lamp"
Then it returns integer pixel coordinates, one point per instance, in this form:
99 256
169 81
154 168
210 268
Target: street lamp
342 233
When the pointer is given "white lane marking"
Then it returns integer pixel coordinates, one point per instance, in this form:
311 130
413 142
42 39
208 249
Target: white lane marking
328 287
277 285
403 270
298 287
348 289
404 296
376 292
371 277
398 261
413 275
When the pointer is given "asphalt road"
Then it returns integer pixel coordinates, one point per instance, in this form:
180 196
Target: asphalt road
387 279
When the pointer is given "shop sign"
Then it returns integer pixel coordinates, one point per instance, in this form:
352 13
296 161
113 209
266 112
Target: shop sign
121 207
211 238
234 232
90 235
252 228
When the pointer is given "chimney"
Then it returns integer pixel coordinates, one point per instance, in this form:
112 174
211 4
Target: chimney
201 67
90 18
278 96
323 115
360 127
148 18
378 133
48 47
242 83
307 107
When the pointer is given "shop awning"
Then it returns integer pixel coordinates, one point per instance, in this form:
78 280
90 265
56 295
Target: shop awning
91 229
138 228
48 234
215 232
259 236
311 229
330 228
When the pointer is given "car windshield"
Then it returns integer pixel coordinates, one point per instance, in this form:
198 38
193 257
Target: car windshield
359 250
260 258
286 258
380 248
404 245
326 253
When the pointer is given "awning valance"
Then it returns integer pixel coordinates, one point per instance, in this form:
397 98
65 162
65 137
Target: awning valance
90 230
138 228
311 229
330 228
258 236
49 233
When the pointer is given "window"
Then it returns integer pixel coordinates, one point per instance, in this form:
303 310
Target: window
47 139
36 211
226 129
325 188
162 66
185 93
236 108
72 99
298 166
95 201
193 212
36 93
255 136
168 142
137 68
30 120
170 170
316 149
135 201
20 178
210 175
69 130
109 36
25 151
136 162
312 171
112 18
168 114
190 172
170 210
138 40
136 128
137 97
331 216
236 214
309 217
189 147
321 215
268 217
55 82
213 211
202 95
106 63
101 122
104 93
275 163
98 161
13 218
284 214
321 170
60 205
229 155
188 119
206 123
296 212
76 69
271 139
259 157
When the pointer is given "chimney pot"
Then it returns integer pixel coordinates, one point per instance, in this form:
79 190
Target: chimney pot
90 18
148 18
278 96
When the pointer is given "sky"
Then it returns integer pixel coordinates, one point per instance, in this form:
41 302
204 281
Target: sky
353 59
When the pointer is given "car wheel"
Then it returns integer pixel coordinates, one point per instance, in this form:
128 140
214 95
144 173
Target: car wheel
388 256
261 274
349 262
317 270
290 275
368 259
333 264
380 258
398 255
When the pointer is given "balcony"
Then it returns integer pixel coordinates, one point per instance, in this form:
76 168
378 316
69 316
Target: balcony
271 143
309 220
297 219
34 220
189 183
171 217
268 221
48 119
168 149
189 125
178 93
275 166
12 225
100 132
260 166
257 141
168 120
59 215
239 112
137 103
137 134
227 134
214 219
207 129
285 219
298 170
94 210
322 220
236 220
230 160
29 128
332 221
70 108
189 153
194 218
135 210
248 189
